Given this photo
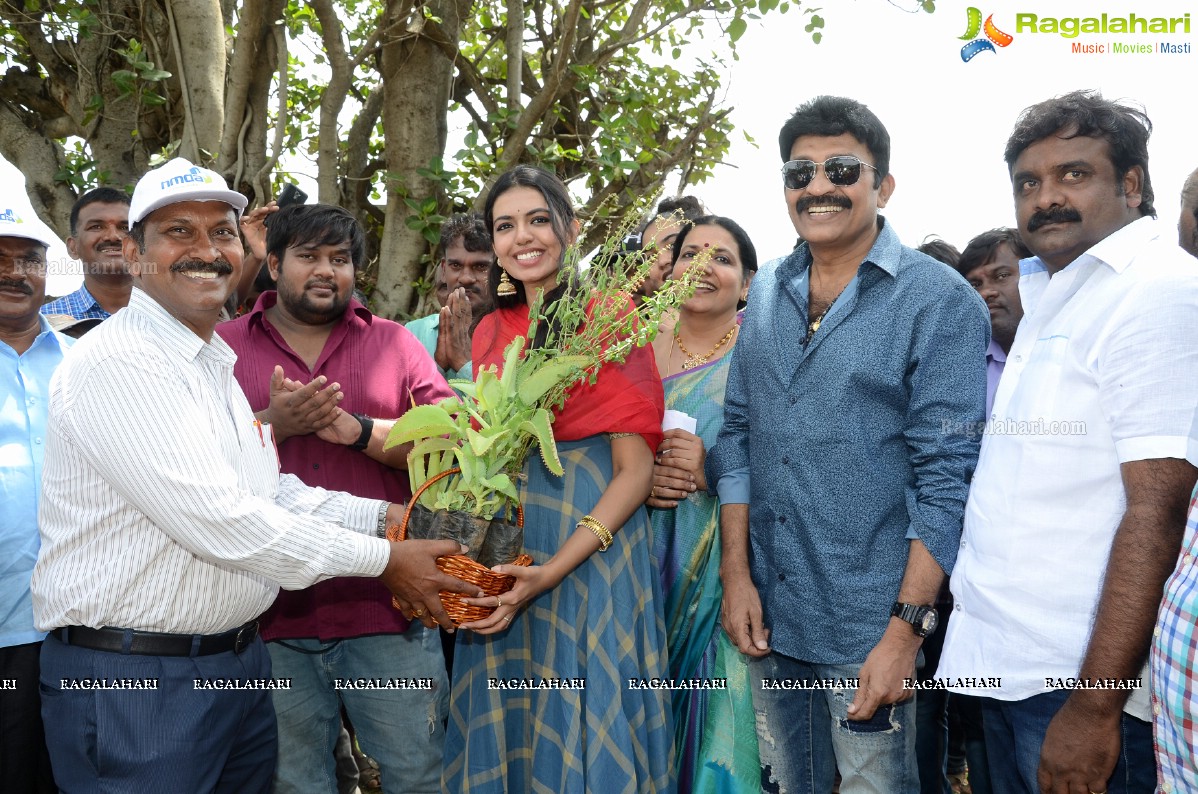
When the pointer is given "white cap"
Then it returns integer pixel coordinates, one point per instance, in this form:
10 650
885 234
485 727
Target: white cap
178 181
24 222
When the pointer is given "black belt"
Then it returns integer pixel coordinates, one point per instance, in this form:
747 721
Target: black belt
153 643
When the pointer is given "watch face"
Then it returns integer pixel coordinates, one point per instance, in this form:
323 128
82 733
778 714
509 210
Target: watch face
927 622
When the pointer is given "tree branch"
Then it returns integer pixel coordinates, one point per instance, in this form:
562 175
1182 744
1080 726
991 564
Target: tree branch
515 52
332 100
262 178
39 159
252 23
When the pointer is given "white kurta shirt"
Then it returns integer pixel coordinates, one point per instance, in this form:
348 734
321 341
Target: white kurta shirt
1103 371
162 506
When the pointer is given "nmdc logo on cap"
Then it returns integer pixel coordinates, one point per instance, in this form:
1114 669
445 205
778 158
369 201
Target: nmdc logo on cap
11 216
196 174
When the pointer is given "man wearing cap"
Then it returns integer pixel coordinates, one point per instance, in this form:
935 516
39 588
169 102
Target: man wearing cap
167 529
29 353
99 220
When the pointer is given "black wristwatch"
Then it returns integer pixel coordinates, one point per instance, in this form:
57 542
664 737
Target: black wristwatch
923 619
367 428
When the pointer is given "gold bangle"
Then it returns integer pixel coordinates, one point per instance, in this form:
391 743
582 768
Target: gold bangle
599 528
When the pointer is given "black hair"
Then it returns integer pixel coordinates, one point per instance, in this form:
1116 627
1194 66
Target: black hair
829 116
561 216
315 224
940 250
469 226
981 249
99 195
1085 113
746 251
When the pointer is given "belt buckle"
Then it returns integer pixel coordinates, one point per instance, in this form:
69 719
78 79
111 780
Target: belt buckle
245 635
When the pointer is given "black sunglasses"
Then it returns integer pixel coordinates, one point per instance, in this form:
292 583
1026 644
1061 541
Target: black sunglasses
842 170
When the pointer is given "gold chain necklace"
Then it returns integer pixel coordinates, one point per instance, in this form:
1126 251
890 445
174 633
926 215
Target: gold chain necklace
814 325
693 360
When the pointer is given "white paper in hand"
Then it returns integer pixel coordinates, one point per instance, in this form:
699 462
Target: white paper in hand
677 420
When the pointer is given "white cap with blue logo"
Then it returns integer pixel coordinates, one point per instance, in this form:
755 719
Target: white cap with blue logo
23 222
179 180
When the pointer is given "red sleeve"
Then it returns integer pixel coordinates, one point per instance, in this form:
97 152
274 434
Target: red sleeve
625 398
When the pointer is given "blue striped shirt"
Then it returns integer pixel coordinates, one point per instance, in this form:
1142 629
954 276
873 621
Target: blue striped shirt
79 304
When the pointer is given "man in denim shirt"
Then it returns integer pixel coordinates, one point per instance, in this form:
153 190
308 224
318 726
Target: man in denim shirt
851 431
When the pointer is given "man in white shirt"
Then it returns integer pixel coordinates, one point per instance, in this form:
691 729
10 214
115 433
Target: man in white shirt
1076 512
167 529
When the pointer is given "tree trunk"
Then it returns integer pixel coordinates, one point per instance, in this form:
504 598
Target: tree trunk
198 38
251 71
416 78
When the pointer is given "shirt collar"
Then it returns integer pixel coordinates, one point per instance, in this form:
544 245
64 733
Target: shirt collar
886 253
86 299
355 312
1116 250
173 334
46 335
995 352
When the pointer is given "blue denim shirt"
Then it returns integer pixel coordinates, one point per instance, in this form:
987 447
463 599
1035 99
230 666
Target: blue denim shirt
864 438
23 415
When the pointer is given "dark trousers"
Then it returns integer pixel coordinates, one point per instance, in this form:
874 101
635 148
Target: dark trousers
177 737
1015 732
24 762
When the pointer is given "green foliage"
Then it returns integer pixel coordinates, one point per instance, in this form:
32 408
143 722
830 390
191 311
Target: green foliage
137 81
490 426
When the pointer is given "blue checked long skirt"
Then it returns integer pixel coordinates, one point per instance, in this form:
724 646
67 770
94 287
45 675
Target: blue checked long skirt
602 624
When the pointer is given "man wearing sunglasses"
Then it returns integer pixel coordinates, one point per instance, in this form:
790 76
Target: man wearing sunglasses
1076 514
849 437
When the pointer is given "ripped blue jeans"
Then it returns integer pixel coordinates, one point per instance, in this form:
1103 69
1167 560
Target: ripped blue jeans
393 687
804 734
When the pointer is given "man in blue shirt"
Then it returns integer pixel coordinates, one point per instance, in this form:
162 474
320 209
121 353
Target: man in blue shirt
29 353
99 221
849 438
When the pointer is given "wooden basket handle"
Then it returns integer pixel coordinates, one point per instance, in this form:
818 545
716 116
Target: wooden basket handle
402 534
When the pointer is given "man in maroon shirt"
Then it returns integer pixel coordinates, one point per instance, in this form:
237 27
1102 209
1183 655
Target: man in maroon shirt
332 378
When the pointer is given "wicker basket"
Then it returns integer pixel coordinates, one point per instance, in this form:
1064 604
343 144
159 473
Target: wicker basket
461 567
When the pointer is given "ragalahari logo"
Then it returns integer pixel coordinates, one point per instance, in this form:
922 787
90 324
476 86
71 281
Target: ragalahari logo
993 36
196 174
11 216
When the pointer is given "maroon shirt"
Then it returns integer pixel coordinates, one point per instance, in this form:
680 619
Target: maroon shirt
382 369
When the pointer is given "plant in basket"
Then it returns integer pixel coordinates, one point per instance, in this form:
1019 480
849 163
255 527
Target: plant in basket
469 450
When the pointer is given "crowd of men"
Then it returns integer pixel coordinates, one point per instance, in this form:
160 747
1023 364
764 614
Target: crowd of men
167 473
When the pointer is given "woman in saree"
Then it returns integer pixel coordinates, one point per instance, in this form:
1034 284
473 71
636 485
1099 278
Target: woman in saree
588 611
715 736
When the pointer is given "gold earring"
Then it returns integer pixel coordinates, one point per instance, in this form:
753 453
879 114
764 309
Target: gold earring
505 288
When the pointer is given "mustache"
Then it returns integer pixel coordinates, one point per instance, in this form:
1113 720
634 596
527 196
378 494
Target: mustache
319 282
222 266
807 202
1053 215
21 286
